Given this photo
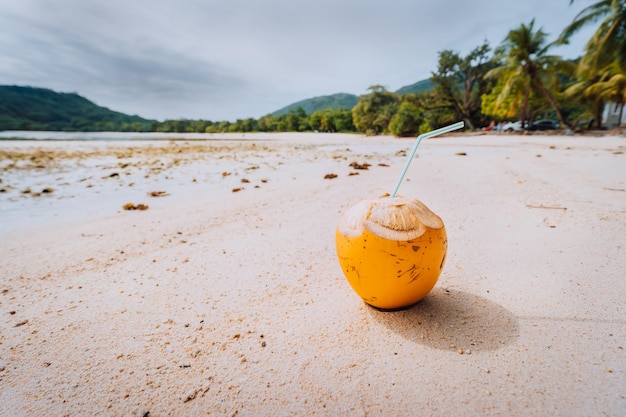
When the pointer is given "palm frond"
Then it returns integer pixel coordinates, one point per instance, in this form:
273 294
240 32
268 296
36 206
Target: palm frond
590 14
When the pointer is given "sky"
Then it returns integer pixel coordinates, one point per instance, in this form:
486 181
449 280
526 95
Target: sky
233 59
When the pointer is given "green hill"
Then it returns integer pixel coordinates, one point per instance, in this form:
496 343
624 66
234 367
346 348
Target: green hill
30 108
422 86
346 101
311 105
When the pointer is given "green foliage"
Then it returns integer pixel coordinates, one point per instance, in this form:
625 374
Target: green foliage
435 116
29 108
374 111
510 99
608 43
529 70
408 118
298 121
608 86
331 121
311 105
459 83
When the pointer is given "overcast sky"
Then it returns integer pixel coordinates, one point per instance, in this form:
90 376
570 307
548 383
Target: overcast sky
230 59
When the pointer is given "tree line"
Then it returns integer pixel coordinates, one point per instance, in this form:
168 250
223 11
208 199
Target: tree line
519 79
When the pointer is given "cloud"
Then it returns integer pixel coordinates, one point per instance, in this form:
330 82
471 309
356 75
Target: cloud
232 59
118 70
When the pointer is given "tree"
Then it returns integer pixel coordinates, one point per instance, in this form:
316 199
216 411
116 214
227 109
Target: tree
608 43
459 82
612 86
527 66
268 123
601 69
331 121
408 118
518 100
582 91
505 105
342 120
374 110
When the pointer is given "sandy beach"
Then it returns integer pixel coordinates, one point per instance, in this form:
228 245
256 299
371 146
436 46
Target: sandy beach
225 296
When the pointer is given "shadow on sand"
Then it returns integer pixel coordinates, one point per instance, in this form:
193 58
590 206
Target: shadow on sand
450 319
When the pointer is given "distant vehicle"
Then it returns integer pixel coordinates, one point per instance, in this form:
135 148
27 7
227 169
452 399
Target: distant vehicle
544 124
512 127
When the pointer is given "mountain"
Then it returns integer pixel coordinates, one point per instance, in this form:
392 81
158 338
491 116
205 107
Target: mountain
347 101
422 86
30 108
311 105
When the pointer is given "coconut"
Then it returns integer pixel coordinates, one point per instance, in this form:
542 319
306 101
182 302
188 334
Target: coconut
391 250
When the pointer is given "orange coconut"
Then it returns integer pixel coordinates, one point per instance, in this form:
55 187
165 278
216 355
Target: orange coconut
391 250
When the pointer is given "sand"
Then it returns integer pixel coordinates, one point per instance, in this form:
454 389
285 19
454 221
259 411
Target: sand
225 297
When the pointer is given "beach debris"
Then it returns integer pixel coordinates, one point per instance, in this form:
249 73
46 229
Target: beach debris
264 180
158 193
353 173
236 190
193 394
131 206
225 174
541 206
383 165
113 175
330 176
357 165
245 180
21 323
461 154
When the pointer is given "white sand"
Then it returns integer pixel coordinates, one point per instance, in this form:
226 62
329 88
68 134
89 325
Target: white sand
222 303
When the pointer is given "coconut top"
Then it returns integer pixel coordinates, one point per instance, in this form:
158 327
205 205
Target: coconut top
398 218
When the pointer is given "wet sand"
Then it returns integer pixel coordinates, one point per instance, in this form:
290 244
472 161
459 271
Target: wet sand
225 297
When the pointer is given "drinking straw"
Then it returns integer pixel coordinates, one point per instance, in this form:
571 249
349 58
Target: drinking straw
436 132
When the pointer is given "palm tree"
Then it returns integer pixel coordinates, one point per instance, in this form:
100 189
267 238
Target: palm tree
612 87
609 85
527 64
583 92
608 43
